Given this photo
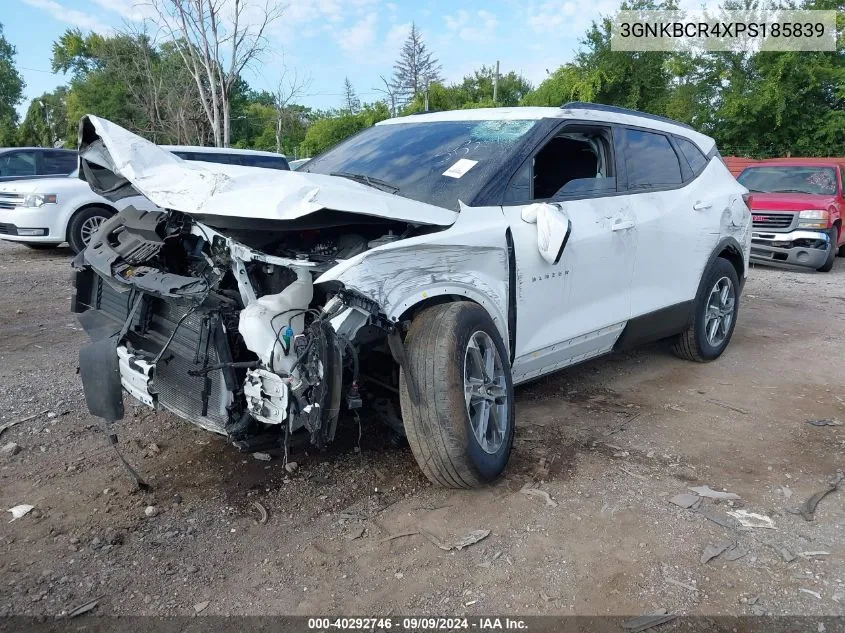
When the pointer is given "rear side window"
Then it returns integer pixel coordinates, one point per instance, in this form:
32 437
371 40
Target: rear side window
694 156
20 163
267 162
209 157
650 160
58 163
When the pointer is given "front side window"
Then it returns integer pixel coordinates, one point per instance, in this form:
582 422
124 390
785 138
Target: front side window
17 164
574 163
437 162
790 179
650 160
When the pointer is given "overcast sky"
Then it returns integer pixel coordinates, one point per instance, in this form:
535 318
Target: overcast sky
332 39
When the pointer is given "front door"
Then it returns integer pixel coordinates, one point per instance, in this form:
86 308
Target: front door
574 308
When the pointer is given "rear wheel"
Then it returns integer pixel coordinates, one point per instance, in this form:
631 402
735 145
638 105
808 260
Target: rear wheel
714 317
84 225
831 254
461 428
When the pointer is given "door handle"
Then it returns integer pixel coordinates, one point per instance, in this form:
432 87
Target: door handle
700 206
623 225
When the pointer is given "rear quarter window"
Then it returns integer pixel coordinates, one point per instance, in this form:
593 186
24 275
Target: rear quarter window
695 157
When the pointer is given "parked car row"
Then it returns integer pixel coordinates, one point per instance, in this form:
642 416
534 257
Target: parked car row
44 212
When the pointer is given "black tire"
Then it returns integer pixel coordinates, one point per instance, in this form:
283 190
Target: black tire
438 425
40 247
831 254
693 344
79 222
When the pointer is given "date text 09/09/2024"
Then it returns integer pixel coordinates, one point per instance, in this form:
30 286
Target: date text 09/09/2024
417 624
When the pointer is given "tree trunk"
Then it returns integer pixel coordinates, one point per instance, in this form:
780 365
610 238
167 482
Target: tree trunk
227 123
279 134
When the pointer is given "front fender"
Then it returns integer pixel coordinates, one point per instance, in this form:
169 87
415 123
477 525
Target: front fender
471 263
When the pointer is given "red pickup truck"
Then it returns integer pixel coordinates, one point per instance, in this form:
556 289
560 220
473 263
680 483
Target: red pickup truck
797 208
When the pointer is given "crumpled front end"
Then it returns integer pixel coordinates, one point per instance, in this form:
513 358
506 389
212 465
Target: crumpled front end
255 304
230 338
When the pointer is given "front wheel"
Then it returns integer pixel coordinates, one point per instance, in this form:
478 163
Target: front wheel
461 427
714 317
83 225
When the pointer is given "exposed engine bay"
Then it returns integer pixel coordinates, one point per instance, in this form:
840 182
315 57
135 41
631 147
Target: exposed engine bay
224 326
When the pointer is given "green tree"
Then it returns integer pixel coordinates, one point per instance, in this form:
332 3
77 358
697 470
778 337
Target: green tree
638 80
416 69
138 84
474 91
756 104
45 123
96 86
327 132
11 91
351 102
478 87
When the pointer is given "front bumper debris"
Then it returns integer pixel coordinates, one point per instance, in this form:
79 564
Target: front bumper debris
808 249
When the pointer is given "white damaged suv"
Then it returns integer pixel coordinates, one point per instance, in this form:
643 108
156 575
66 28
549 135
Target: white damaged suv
415 272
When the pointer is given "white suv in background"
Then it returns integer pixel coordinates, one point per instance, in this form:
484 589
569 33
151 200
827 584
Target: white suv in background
46 212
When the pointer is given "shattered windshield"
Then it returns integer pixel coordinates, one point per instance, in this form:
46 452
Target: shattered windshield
790 179
438 162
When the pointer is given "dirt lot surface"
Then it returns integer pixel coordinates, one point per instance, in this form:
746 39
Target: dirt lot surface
610 442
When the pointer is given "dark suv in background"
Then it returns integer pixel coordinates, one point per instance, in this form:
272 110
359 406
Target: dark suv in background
18 163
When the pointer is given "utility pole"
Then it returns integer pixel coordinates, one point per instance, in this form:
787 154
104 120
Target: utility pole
496 83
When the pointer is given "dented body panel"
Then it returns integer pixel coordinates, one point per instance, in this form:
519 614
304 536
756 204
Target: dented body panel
469 260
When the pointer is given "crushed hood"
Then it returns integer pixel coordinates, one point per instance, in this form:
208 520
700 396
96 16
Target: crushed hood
118 164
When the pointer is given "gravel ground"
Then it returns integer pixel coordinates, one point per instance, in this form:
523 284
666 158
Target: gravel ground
610 442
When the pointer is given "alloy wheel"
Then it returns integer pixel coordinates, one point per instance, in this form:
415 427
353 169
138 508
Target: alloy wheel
719 313
486 392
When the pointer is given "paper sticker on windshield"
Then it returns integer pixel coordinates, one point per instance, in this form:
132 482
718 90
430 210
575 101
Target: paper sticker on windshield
460 167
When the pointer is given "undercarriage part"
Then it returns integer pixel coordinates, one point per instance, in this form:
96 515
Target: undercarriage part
112 437
266 396
234 340
397 348
179 382
100 373
317 392
268 323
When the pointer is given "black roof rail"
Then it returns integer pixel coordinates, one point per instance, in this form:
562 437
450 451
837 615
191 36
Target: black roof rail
583 105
